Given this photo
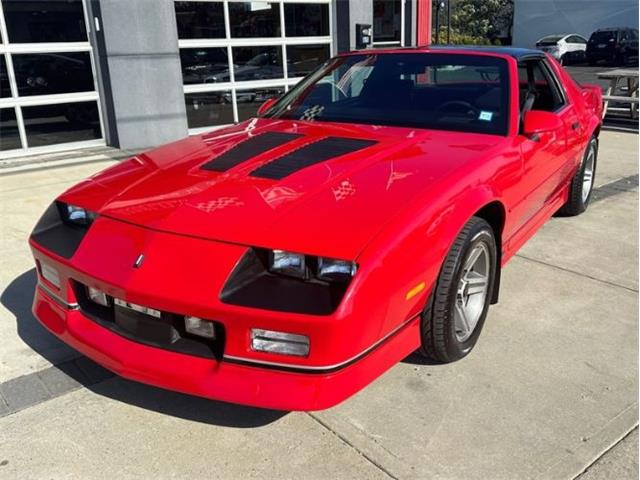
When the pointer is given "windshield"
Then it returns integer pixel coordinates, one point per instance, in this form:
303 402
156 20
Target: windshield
467 93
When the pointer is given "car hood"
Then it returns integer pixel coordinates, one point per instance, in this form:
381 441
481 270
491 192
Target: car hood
332 208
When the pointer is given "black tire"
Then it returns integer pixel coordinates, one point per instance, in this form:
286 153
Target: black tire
591 62
564 59
576 204
438 330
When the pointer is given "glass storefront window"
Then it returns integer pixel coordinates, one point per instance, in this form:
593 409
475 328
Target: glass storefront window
306 19
209 109
386 20
61 123
49 73
44 21
250 100
253 36
47 63
9 135
200 19
254 19
204 65
257 63
5 89
302 59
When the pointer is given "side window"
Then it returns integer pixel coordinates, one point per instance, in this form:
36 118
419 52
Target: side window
634 35
576 39
624 35
545 88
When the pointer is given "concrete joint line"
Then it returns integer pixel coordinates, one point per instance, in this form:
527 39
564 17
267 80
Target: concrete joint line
593 447
606 282
350 444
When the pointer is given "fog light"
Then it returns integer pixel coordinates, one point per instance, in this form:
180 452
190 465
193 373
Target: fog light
137 308
98 296
199 327
279 342
50 274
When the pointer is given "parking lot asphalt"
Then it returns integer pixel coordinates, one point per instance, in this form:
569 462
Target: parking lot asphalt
550 387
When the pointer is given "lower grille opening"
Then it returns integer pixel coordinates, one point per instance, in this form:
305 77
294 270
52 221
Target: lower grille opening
166 331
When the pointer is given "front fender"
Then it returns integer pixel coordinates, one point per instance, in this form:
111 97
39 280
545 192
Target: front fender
402 263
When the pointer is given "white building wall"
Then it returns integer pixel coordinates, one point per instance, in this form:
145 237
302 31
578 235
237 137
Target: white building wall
534 19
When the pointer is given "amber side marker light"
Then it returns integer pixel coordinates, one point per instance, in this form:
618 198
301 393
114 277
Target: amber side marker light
415 291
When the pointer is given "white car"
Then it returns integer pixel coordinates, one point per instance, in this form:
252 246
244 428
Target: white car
566 48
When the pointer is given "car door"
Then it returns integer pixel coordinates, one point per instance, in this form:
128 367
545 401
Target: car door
546 159
631 43
577 46
634 41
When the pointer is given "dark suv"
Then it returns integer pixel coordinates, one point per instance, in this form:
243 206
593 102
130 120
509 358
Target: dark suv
614 45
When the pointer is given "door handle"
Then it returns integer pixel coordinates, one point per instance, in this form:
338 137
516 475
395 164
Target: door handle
575 125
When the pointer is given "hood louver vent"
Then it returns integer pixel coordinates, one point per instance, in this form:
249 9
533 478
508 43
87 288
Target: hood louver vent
309 155
248 149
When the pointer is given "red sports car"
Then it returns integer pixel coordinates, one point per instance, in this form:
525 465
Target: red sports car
287 261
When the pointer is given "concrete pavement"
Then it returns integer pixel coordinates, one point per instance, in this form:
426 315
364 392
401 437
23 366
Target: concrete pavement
550 387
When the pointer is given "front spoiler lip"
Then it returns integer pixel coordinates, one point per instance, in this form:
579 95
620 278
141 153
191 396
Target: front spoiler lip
220 380
287 367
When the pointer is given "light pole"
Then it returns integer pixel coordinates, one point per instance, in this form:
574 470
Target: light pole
439 6
448 22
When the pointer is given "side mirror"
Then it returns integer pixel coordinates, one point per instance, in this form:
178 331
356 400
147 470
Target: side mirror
539 121
268 103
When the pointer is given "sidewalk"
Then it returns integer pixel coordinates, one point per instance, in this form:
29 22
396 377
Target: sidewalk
550 387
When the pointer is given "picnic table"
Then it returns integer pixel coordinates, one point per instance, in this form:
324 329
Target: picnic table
617 80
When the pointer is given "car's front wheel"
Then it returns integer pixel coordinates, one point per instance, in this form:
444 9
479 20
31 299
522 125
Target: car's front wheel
581 186
457 307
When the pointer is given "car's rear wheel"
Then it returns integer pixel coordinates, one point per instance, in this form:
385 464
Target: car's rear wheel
582 182
458 305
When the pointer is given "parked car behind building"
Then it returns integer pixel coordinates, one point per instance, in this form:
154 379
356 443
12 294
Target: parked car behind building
566 48
617 46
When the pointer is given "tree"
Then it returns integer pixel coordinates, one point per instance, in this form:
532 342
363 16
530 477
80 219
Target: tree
478 21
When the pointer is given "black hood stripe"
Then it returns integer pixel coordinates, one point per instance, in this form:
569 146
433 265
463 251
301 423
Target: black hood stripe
309 155
248 149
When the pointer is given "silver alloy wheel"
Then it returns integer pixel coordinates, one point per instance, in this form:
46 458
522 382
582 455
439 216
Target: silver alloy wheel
472 291
587 175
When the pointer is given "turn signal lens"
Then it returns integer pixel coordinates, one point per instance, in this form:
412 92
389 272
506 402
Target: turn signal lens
279 342
287 263
198 326
138 308
98 296
50 274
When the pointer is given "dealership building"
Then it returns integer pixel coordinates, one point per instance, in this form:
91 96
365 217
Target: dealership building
138 73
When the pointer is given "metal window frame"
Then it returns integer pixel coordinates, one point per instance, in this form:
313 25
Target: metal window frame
281 41
392 43
8 49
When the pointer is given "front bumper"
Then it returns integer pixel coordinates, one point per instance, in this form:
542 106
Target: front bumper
261 386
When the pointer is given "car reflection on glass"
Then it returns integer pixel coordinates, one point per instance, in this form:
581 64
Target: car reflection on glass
262 66
43 74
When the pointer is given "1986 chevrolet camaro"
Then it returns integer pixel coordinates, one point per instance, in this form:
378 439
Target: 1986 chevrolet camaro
287 261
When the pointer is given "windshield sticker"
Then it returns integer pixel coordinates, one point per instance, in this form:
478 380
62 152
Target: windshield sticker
485 116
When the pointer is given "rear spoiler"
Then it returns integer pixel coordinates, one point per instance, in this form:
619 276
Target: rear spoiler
592 95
